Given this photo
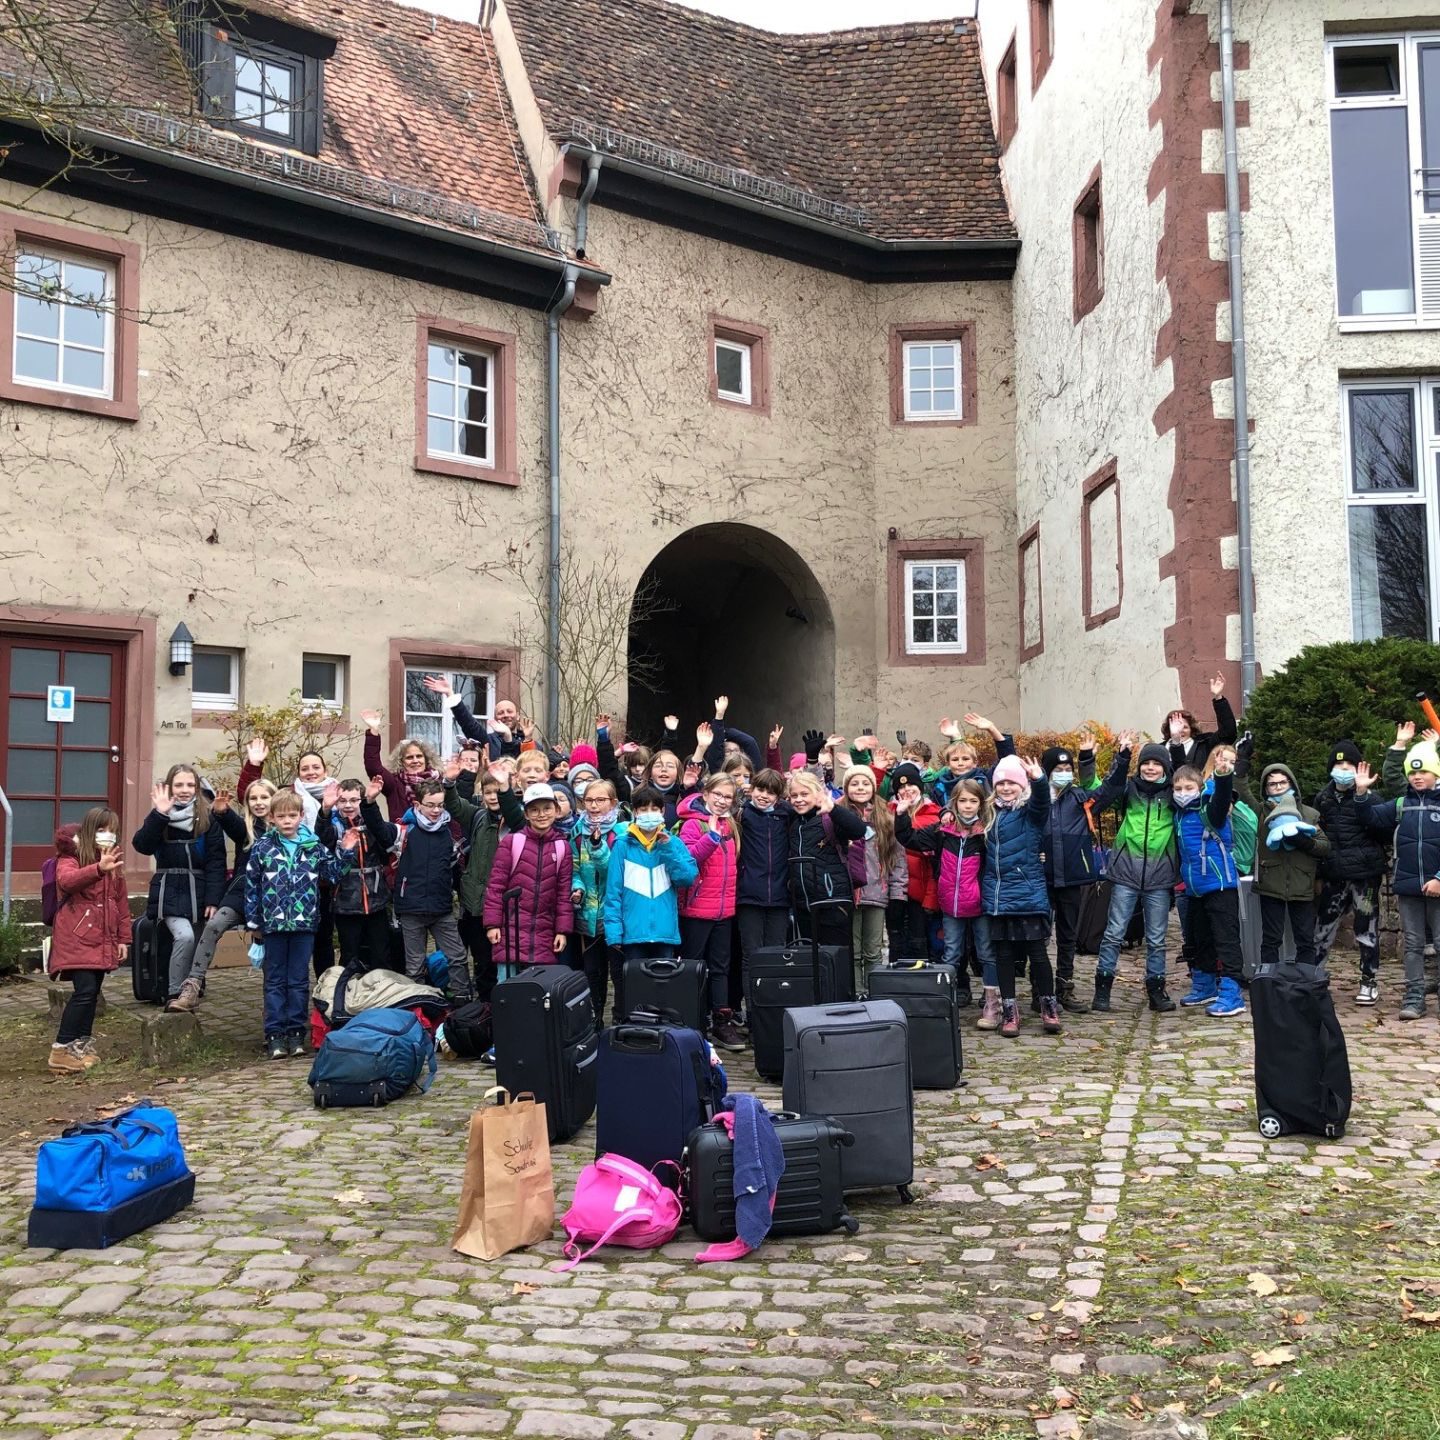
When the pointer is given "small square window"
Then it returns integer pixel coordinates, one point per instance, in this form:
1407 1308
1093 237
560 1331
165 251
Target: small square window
1088 234
265 83
465 422
935 607
739 355
215 679
1007 98
322 681
269 94
732 371
1367 71
932 385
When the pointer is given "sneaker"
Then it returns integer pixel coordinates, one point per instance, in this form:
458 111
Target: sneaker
295 1043
1204 987
989 1010
1414 1006
187 1000
1228 1002
276 1048
488 1058
1050 1015
84 1047
1369 993
724 1033
1010 1023
66 1060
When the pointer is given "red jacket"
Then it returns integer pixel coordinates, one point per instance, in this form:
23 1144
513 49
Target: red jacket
712 896
540 867
93 920
923 887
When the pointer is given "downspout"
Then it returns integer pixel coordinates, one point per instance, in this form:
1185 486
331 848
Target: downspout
562 303
1246 574
582 212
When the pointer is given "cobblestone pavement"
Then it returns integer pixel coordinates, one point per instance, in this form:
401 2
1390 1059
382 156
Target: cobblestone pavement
1091 1213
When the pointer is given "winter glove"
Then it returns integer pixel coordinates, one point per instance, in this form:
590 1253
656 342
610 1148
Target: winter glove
814 742
1244 749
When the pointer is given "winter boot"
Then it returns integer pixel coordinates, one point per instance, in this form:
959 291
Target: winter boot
1158 996
1069 1000
1204 987
276 1047
84 1047
1010 1024
1229 1001
188 999
1413 1007
1103 982
989 1010
1050 1014
66 1060
724 1033
295 1043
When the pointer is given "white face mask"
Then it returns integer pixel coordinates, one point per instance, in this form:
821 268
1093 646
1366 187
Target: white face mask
106 839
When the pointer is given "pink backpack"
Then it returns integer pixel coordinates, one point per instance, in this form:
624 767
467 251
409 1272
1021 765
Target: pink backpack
618 1202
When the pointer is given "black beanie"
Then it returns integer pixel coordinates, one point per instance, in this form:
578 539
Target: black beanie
1157 753
1055 756
905 774
1345 752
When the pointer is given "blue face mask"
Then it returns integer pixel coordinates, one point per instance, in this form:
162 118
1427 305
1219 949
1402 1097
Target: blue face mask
1061 778
1343 779
1285 794
650 819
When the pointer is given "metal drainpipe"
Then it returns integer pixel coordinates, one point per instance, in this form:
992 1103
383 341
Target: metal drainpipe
1246 574
552 399
582 214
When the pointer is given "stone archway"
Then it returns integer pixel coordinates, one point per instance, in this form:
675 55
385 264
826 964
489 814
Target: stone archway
745 616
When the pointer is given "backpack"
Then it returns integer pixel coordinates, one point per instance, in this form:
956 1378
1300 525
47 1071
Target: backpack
373 1059
469 1031
516 840
1244 829
50 901
618 1202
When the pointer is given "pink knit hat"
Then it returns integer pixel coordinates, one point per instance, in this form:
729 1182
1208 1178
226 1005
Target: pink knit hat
584 755
1010 768
797 760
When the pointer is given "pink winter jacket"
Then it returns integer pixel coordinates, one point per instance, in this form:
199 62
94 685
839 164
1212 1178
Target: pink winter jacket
712 896
540 868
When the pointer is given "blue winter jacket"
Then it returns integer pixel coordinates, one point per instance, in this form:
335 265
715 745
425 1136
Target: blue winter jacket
764 856
1417 840
1013 879
282 883
641 903
1070 832
1205 841
945 781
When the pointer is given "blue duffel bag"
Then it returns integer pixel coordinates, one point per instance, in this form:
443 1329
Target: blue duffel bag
374 1058
105 1164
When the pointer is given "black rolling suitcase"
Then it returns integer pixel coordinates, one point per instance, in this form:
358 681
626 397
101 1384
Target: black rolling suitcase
149 961
545 1039
852 1063
928 995
811 1197
1302 1069
666 986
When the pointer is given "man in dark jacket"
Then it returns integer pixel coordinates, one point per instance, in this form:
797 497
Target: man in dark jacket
1358 823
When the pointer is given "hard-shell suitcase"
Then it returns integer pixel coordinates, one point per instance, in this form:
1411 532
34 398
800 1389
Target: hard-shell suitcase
783 976
929 997
1302 1069
149 960
811 1197
852 1063
654 1085
667 986
545 1038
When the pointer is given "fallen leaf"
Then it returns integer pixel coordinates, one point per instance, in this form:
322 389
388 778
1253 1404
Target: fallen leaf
1213 1383
1164 1340
1280 1355
852 1255
1036 1315
521 1288
1413 1315
1184 1283
353 1196
1136 1402
1064 1399
873 1381
989 1162
1386 1225
1261 1284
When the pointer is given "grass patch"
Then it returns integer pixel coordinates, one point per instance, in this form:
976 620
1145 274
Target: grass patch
1389 1389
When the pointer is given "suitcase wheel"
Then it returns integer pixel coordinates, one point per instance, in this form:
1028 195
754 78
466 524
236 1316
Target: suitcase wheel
851 1224
1271 1126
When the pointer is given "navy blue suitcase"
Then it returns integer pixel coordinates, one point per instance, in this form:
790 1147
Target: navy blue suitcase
655 1086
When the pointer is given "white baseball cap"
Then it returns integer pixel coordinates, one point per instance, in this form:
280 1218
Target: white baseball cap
539 792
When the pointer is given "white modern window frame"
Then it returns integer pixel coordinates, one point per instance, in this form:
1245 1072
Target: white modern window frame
475 688
1424 226
64 303
455 414
1424 400
936 647
222 700
320 702
956 409
743 395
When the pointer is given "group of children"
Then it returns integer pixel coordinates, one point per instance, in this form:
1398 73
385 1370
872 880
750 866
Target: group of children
607 852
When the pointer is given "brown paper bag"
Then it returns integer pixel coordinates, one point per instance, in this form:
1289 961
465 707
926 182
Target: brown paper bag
507 1200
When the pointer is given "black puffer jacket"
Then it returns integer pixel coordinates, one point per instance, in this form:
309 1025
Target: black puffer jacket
189 869
818 872
1359 828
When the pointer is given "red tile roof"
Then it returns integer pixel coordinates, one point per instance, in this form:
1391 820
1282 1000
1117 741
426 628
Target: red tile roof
893 122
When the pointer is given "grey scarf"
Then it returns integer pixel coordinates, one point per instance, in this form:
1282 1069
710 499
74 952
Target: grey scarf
182 817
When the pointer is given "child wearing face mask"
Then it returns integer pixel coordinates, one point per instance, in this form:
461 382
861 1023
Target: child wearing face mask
707 907
591 841
762 893
1358 823
1205 842
1412 775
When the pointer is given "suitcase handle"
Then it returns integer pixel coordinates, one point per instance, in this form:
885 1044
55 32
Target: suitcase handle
660 967
838 1010
639 1037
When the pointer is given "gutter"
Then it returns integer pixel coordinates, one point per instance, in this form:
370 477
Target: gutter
562 303
582 213
1246 572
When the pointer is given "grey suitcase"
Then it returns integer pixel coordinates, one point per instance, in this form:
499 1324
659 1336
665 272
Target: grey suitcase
852 1062
1250 930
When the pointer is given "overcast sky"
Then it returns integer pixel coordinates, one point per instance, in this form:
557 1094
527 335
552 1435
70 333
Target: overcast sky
781 14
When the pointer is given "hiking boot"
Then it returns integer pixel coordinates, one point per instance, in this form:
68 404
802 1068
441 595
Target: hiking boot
187 1000
1069 1000
989 1010
295 1043
66 1060
1050 1014
1103 982
84 1047
276 1048
1158 996
1228 1002
724 1033
1369 992
1010 1021
1414 1006
1204 987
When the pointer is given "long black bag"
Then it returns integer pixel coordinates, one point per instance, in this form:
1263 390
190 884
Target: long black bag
1302 1070
928 995
811 1197
1095 916
470 1029
852 1063
545 1038
149 960
668 986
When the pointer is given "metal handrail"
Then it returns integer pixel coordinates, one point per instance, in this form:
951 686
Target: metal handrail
9 851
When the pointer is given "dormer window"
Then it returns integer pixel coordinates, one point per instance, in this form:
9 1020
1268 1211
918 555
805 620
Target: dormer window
269 93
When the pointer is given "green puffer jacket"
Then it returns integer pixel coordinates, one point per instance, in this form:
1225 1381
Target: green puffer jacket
1282 874
483 826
